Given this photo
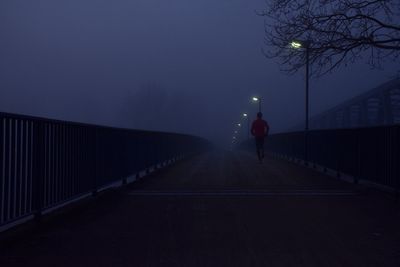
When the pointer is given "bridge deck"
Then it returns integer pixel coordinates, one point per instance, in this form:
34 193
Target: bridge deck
219 209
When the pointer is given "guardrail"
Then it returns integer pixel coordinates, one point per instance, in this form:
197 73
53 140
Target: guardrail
371 154
44 163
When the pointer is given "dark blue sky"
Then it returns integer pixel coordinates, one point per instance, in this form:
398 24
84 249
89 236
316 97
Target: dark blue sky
181 65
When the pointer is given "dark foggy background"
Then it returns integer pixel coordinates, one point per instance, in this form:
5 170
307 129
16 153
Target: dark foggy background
186 66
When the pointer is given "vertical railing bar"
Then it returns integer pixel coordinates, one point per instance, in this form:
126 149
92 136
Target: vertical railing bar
53 164
14 174
69 144
80 158
396 167
57 163
38 168
46 165
10 157
2 164
20 147
95 163
23 167
60 163
62 158
357 177
76 145
73 156
49 157
6 167
67 158
30 164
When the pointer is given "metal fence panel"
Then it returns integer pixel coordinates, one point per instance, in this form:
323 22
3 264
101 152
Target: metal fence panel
44 163
371 154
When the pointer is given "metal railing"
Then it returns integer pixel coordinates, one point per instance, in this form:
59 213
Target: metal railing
44 163
371 154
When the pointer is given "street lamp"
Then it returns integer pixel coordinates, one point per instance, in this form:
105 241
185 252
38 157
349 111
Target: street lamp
235 132
258 99
296 44
248 125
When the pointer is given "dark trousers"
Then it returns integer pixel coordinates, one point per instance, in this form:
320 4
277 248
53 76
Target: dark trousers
260 147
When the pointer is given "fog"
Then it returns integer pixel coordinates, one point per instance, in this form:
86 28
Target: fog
180 66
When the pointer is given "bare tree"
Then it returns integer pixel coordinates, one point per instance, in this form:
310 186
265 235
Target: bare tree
336 32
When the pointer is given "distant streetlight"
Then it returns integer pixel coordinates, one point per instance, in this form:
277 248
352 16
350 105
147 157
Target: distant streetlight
239 125
296 44
248 124
258 99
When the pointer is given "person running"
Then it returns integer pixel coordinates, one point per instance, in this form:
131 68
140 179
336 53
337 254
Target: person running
260 129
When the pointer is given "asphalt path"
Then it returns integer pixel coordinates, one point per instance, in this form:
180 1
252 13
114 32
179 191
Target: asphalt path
220 208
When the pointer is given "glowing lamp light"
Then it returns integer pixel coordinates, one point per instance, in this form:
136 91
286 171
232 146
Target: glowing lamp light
295 45
244 114
255 98
239 124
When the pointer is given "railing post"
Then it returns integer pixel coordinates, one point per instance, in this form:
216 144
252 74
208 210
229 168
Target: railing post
396 159
38 168
95 161
358 160
339 152
306 152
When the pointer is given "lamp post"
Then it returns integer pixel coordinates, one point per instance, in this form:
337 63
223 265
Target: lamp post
258 99
245 115
298 45
237 132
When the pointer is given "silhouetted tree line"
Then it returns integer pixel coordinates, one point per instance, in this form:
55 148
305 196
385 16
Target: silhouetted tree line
155 107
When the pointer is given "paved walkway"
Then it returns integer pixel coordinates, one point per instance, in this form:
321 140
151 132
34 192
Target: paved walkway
219 209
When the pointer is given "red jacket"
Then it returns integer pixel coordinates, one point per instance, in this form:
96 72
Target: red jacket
259 128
